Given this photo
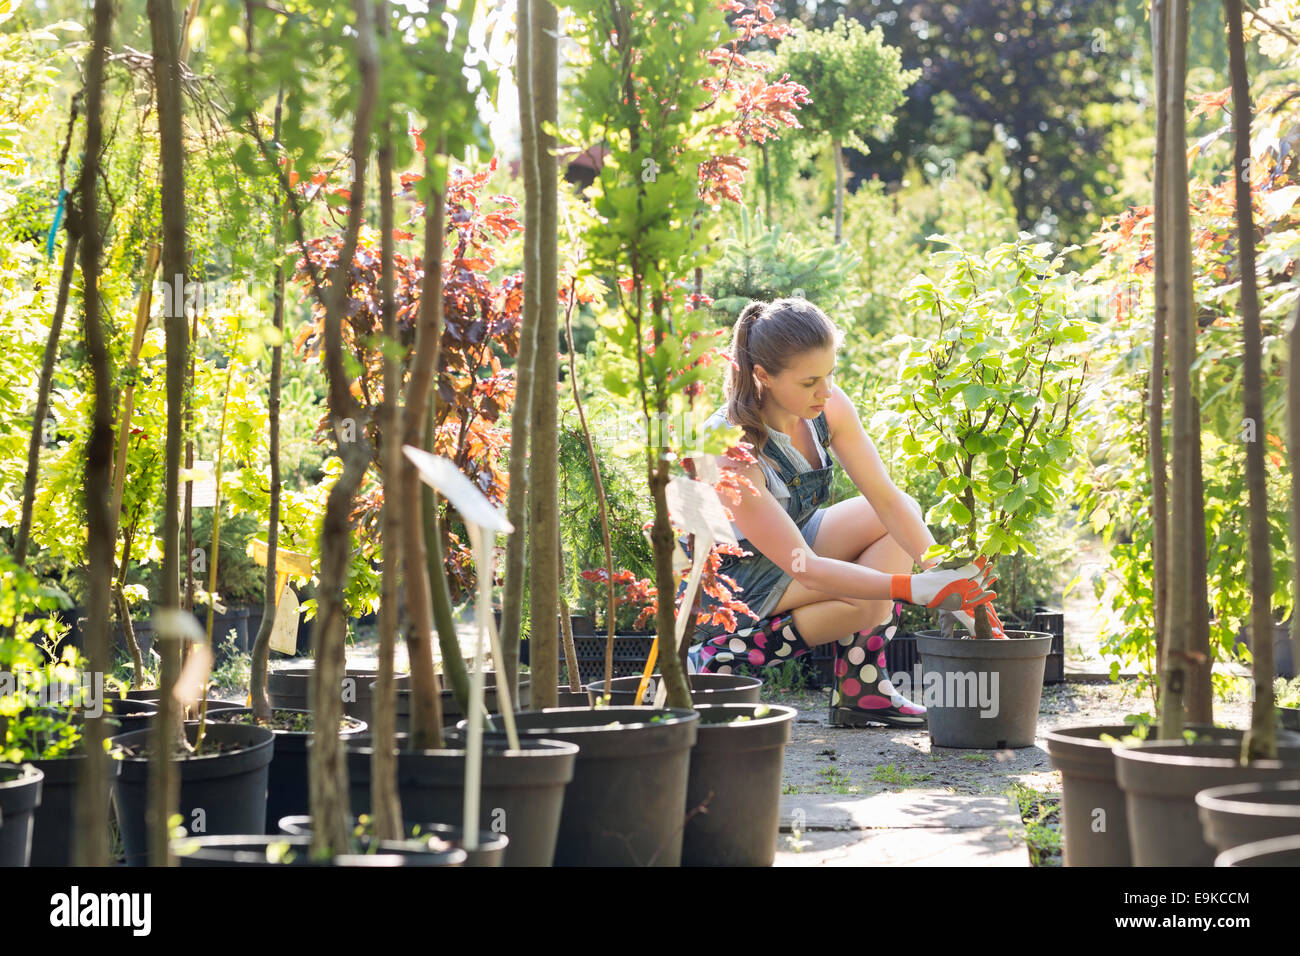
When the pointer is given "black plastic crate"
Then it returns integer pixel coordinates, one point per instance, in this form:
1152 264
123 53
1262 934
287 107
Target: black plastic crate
1054 668
630 654
1049 620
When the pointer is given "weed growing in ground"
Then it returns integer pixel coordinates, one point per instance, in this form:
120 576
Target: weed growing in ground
837 780
1041 814
888 773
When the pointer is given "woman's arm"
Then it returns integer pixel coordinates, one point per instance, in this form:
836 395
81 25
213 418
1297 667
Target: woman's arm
857 455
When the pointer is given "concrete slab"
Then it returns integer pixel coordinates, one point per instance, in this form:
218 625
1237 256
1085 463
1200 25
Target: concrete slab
914 846
893 810
913 828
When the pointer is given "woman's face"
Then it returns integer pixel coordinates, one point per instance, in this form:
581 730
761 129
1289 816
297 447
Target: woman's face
803 388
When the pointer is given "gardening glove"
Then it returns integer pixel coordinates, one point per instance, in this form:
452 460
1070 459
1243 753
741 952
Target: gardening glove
966 619
986 578
951 589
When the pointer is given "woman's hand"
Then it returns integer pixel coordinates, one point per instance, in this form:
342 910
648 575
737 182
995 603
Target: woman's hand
967 620
987 577
954 590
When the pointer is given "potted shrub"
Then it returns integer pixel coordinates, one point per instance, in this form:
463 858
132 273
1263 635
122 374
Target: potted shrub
281 850
705 689
987 400
45 731
625 803
1286 697
491 850
288 793
523 790
223 786
20 795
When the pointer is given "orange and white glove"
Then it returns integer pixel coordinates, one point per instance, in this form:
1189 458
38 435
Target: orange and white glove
967 620
949 589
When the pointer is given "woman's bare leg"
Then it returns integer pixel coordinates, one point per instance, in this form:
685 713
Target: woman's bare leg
821 620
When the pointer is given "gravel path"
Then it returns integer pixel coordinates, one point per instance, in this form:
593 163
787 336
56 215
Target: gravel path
823 759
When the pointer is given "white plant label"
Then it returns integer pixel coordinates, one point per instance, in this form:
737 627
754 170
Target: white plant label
284 632
203 487
695 506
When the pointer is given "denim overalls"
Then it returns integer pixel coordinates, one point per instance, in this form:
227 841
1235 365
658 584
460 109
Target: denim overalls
758 579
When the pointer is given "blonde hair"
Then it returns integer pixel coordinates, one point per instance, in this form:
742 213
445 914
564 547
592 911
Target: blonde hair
773 335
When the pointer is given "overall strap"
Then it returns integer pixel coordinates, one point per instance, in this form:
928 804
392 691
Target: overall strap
823 429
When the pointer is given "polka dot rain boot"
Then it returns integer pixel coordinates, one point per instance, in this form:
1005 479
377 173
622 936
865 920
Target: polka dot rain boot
771 641
863 693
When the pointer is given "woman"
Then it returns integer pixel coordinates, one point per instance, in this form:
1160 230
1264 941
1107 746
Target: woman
819 574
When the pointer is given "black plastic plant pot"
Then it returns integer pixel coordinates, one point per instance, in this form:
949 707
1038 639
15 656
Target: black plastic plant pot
288 686
491 850
222 791
565 696
522 793
1249 812
20 795
1161 779
214 705
280 850
705 689
627 801
288 790
1089 795
980 695
55 817
1289 717
1093 809
733 800
451 711
1280 851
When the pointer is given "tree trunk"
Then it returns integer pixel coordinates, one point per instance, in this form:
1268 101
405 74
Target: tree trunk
454 671
328 772
426 703
670 665
91 846
1293 445
1182 323
1261 740
165 789
839 191
259 700
521 413
43 395
767 187
1199 703
385 804
1155 422
544 580
575 679
144 304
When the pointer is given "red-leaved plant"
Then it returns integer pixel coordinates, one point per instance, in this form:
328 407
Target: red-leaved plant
481 318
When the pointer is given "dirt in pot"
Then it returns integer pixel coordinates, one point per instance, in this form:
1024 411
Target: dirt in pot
295 721
210 748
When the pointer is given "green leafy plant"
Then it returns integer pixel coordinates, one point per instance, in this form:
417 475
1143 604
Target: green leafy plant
855 81
988 401
1286 693
1042 819
766 262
